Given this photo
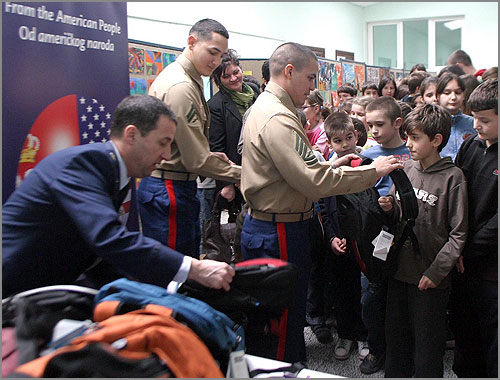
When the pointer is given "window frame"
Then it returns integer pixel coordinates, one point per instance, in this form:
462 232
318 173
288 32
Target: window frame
431 43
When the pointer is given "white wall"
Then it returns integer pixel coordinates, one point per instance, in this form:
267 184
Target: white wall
257 28
479 34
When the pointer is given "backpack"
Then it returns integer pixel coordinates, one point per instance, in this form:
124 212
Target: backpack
221 335
143 343
362 219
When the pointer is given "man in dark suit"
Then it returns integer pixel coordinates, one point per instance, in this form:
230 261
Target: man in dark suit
63 219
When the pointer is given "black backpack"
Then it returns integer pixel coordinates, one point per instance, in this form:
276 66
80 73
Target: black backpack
361 220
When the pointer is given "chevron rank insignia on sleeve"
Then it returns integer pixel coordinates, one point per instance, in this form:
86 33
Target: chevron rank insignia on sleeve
191 115
304 151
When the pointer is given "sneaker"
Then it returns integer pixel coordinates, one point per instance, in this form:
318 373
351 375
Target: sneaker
343 349
363 349
371 364
322 333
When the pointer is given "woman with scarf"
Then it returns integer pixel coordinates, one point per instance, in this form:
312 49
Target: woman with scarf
227 107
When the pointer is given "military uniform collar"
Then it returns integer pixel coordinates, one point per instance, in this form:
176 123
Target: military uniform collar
282 95
190 69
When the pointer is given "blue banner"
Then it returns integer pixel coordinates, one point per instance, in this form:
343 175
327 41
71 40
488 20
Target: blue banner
64 71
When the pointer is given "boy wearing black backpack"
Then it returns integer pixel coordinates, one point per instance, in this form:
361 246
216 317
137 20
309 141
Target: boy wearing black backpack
418 292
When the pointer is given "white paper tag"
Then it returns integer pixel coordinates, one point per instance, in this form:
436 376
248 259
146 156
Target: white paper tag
237 367
382 244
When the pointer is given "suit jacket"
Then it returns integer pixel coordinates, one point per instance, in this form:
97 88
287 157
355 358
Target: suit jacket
63 217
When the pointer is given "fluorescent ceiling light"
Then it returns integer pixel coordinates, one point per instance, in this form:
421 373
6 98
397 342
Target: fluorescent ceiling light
455 24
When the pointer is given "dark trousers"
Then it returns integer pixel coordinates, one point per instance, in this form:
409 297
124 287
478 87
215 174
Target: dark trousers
474 306
290 242
347 285
170 212
415 330
319 294
373 305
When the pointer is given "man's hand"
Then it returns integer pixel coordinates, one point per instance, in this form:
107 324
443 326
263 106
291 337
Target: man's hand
386 203
339 246
210 273
223 157
228 192
460 264
386 164
426 283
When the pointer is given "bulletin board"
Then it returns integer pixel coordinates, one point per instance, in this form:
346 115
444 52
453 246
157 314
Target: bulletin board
146 61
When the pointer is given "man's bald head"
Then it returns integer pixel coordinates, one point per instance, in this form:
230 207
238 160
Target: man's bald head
290 53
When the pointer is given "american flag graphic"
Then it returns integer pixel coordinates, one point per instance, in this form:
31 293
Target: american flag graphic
94 119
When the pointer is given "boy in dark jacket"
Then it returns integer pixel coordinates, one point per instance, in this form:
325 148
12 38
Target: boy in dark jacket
418 293
474 297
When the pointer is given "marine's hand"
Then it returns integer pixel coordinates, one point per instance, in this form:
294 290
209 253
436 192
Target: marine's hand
386 164
386 203
223 157
228 192
210 273
345 160
460 264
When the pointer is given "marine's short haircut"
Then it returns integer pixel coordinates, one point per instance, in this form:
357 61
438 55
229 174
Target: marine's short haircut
363 101
347 88
426 83
388 105
143 111
484 97
416 80
430 119
337 123
203 29
229 57
290 53
445 79
362 133
459 56
369 86
386 79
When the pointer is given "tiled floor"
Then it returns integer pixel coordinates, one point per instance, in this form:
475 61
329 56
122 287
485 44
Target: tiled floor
320 358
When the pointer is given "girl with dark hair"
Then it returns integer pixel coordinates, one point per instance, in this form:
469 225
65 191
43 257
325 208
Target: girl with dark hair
387 87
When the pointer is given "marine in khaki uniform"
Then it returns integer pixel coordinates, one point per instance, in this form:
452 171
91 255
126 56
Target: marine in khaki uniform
281 178
168 203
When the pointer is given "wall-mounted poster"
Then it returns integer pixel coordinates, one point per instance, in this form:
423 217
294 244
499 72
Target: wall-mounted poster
168 58
359 75
135 60
153 62
138 86
397 74
324 76
384 72
335 98
338 70
372 74
348 75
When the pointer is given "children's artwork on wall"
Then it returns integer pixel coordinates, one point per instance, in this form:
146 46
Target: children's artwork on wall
324 76
338 70
135 60
150 82
372 74
348 76
335 98
138 86
153 62
359 75
397 74
384 72
326 96
168 58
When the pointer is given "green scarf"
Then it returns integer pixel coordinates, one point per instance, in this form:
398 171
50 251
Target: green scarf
243 99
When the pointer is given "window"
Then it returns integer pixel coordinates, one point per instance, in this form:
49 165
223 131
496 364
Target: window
402 44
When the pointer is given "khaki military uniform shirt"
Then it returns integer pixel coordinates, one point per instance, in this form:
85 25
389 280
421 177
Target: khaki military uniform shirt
280 173
180 86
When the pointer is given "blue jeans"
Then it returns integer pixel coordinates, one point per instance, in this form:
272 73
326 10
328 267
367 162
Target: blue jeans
373 303
170 212
262 239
